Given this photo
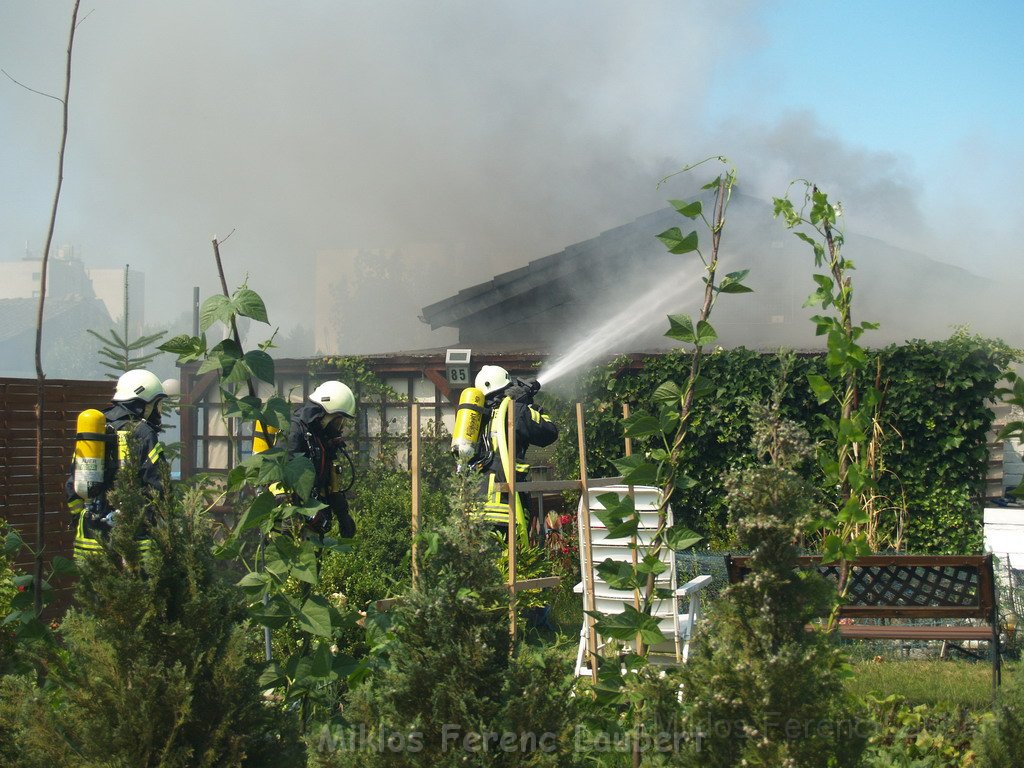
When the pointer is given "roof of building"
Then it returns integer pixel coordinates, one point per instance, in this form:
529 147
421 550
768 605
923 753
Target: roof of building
18 316
580 287
568 264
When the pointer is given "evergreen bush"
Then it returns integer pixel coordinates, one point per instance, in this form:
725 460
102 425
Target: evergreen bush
446 678
153 670
759 689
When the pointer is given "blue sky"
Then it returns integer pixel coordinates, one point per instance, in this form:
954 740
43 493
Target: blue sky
911 76
502 130
939 84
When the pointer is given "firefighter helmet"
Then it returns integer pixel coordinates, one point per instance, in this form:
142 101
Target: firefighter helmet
335 397
492 378
138 385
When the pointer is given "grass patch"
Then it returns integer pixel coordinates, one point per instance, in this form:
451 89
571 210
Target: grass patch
944 681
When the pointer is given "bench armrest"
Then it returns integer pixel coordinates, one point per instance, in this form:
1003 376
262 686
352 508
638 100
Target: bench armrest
693 586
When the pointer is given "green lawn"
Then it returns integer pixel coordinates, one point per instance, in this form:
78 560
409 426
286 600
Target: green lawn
963 683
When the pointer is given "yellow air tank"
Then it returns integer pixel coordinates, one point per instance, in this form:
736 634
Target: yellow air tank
468 417
263 437
90 450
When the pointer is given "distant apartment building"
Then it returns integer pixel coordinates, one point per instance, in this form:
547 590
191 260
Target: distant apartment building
77 299
67 277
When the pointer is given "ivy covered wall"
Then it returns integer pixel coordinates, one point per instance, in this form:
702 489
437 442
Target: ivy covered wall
935 423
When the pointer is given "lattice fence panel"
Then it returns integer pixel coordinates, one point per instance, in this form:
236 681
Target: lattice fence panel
944 586
19 484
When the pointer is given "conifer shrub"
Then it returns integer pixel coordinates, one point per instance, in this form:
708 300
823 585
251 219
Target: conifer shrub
153 670
759 689
446 686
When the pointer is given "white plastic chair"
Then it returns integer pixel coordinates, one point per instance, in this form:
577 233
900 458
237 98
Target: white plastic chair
677 617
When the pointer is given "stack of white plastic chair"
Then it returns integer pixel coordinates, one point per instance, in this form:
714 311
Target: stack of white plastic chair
677 616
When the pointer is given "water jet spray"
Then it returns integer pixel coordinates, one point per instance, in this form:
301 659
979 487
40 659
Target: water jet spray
627 324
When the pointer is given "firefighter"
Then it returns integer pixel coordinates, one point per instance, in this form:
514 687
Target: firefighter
316 432
533 427
131 423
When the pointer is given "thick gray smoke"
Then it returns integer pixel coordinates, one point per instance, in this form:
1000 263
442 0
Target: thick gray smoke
384 155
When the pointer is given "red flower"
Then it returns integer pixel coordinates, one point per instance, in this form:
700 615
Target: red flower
565 549
21 588
564 519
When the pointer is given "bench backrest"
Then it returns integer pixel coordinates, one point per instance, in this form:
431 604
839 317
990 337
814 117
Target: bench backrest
906 586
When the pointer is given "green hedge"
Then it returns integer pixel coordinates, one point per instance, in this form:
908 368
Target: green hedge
937 418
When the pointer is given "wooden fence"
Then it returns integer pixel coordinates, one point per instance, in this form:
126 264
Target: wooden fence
63 401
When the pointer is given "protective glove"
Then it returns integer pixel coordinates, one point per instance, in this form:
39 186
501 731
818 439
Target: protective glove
523 391
519 394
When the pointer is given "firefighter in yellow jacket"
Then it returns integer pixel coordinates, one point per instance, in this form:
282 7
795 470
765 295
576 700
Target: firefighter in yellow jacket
130 423
533 427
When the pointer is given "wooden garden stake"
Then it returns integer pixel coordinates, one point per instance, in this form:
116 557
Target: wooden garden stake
587 554
632 539
636 590
414 429
511 479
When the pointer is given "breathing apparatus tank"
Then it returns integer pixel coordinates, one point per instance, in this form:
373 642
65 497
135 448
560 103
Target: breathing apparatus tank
468 417
90 450
263 437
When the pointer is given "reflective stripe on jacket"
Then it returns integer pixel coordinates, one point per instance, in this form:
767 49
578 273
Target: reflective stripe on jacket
132 433
533 427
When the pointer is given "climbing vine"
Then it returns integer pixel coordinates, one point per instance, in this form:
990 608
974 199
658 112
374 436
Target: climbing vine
938 415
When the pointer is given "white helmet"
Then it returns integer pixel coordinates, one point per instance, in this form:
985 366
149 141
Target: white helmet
492 378
138 385
335 397
172 387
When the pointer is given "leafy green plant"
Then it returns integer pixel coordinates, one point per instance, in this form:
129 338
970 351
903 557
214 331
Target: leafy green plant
846 465
23 625
922 736
124 354
662 464
938 405
269 538
355 371
718 441
667 429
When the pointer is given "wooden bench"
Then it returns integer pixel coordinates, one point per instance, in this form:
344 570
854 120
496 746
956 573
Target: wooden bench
908 587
